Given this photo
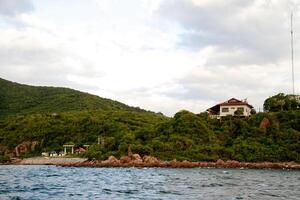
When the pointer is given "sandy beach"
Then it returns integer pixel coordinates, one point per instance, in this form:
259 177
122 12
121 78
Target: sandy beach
50 161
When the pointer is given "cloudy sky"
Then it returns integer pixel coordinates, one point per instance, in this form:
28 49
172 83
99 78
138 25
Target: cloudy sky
161 55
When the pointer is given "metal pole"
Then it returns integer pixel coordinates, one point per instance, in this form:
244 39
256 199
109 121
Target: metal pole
292 52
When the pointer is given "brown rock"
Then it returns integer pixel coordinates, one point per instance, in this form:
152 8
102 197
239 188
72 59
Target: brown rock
295 166
112 159
150 159
136 157
220 162
25 147
203 164
188 164
161 163
137 162
21 148
125 159
265 123
232 163
174 163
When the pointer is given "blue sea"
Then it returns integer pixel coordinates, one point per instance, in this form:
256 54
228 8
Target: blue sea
51 182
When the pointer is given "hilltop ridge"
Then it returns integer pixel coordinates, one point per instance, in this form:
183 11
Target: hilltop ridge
18 98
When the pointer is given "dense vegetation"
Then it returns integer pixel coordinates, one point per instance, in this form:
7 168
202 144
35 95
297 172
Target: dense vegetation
24 99
282 102
185 136
197 137
118 128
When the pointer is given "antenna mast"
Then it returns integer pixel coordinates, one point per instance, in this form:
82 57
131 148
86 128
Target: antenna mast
292 52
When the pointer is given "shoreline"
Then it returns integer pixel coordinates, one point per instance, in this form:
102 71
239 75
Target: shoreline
48 161
188 164
152 162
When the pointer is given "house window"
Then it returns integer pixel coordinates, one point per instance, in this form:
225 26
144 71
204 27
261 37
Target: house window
241 109
225 110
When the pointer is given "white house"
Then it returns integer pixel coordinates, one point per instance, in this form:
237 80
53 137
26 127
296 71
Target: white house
228 108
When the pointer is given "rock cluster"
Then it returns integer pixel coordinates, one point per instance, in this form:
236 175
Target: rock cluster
135 160
265 123
25 147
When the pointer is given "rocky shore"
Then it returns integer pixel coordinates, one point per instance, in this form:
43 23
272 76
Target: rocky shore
135 160
148 161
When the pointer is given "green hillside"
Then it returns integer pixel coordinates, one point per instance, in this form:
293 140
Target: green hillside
24 99
185 136
28 120
79 127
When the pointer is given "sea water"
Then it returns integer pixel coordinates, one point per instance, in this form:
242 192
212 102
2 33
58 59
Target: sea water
51 182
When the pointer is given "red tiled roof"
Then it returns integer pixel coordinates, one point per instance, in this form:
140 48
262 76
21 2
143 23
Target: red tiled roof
232 102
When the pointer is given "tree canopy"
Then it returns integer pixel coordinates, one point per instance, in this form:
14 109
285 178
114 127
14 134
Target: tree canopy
281 102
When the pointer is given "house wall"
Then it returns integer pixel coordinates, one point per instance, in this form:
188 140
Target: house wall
215 116
232 109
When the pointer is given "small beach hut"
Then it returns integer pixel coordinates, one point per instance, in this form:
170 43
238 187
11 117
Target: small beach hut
68 146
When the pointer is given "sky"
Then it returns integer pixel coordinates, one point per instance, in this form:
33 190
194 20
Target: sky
160 55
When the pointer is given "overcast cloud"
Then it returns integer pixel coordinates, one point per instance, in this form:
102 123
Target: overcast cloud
161 55
13 7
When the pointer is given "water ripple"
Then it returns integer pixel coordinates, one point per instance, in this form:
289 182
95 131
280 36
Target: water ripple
50 182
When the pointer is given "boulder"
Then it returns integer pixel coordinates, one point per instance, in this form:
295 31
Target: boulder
203 164
265 123
188 164
150 159
174 163
125 159
25 147
220 162
112 159
22 148
136 157
233 163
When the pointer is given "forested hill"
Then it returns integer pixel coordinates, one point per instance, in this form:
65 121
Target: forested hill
17 98
273 135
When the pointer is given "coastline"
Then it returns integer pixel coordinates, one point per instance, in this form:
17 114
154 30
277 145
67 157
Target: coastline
49 161
149 161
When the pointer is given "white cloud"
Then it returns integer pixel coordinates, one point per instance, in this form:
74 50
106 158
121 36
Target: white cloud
162 55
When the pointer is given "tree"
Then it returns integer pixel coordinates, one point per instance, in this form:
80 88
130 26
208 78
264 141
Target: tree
253 111
282 102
